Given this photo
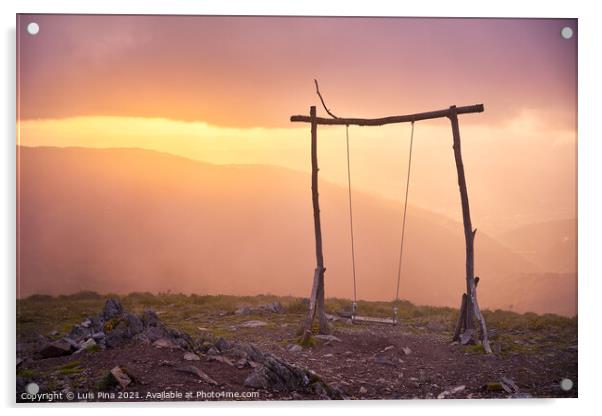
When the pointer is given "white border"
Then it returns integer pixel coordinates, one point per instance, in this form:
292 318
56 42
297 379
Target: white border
590 170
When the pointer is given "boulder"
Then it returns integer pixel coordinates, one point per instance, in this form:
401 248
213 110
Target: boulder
190 356
276 374
79 332
85 345
222 345
275 307
164 343
121 377
126 327
57 348
112 309
97 336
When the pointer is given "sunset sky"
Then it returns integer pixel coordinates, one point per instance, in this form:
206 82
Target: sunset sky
222 89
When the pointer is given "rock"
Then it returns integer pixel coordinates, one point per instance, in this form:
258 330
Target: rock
206 346
276 374
154 333
149 318
85 345
390 347
79 332
257 380
190 356
509 385
330 338
250 352
87 323
164 343
243 311
451 392
112 309
363 390
121 377
195 371
406 350
253 324
57 348
220 359
212 351
241 363
275 307
295 348
97 336
222 345
54 333
122 329
74 344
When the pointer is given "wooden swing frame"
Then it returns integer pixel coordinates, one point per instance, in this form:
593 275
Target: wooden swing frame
470 307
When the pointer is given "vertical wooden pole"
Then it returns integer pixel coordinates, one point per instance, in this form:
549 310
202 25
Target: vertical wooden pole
468 232
316 301
472 306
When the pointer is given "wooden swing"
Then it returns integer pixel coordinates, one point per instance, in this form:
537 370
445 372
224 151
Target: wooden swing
470 307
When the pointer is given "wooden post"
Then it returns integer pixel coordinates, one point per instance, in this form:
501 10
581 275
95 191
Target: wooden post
468 233
316 301
461 323
472 306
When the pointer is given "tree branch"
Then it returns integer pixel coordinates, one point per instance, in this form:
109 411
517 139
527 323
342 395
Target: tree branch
322 99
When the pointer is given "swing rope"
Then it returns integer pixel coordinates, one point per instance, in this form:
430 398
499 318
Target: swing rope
351 218
403 227
405 208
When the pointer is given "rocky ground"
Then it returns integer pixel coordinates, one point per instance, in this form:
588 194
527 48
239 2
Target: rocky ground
201 348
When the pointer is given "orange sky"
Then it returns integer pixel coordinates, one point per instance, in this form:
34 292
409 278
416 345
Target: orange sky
222 89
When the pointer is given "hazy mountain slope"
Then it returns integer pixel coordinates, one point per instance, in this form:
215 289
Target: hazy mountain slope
552 245
127 219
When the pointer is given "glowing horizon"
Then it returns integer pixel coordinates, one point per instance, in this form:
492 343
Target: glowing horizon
288 148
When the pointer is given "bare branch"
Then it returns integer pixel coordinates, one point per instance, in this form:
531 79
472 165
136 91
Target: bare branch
322 99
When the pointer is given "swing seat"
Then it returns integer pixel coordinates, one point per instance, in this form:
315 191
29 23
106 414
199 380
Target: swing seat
372 320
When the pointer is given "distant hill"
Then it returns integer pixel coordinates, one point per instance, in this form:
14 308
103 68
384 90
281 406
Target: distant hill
552 245
122 220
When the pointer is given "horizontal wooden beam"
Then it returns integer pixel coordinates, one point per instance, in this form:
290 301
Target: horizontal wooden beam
477 108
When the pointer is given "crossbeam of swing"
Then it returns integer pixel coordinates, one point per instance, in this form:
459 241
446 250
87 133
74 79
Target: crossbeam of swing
477 108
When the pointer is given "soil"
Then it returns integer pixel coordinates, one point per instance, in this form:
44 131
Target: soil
369 362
